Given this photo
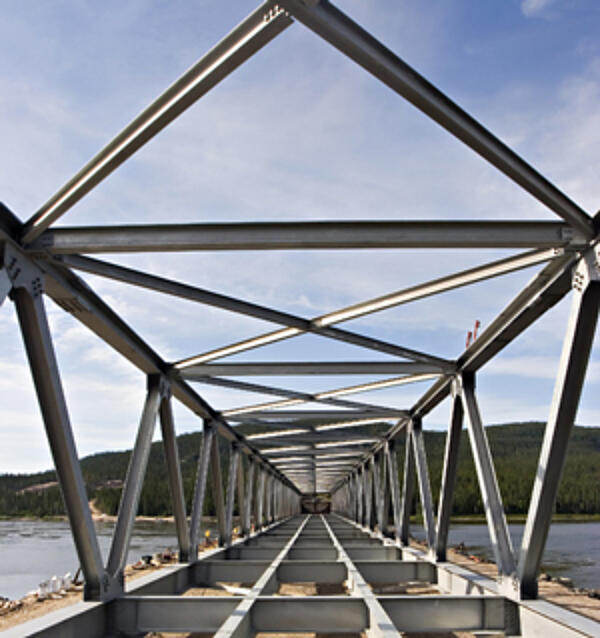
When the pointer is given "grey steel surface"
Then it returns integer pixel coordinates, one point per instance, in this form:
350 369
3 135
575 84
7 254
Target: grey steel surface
449 472
310 454
44 369
167 427
569 383
307 235
134 480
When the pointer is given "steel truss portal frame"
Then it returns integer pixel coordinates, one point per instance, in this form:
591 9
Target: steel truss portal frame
305 452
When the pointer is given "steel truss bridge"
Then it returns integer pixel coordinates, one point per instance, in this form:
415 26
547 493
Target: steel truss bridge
286 460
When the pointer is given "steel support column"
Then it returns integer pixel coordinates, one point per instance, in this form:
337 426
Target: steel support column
247 503
134 480
416 428
368 493
260 498
392 462
577 344
488 484
46 377
217 489
408 487
232 479
448 477
175 481
200 488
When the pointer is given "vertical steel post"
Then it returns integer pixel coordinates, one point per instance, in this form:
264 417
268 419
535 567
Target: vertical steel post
368 488
46 377
386 495
134 480
247 506
448 476
392 462
175 482
423 479
577 345
359 497
200 488
408 487
217 488
269 498
260 498
488 484
378 483
232 477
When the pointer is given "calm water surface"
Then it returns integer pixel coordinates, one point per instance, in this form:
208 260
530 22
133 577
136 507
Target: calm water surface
572 549
33 551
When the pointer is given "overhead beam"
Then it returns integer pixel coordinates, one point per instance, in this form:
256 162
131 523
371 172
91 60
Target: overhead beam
299 368
312 235
326 396
333 416
324 324
344 34
354 451
246 39
292 395
295 325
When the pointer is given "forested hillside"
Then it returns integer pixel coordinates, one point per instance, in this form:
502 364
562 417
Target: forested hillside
515 448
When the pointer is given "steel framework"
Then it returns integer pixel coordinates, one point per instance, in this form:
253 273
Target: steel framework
299 453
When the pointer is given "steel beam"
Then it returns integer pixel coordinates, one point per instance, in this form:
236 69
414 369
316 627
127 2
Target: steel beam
200 488
323 324
299 368
246 39
295 325
448 477
244 495
175 481
392 472
217 489
260 499
232 478
577 345
249 500
328 397
44 369
379 623
311 235
488 483
344 34
134 480
333 416
408 486
416 428
450 613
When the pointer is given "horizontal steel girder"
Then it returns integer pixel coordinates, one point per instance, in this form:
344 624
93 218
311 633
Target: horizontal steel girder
277 417
297 368
307 235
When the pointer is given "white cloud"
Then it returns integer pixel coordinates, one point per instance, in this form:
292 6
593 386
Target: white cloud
532 8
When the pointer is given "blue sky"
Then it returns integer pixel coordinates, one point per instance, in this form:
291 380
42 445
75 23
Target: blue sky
297 133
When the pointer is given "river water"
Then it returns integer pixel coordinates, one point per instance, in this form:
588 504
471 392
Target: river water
34 551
